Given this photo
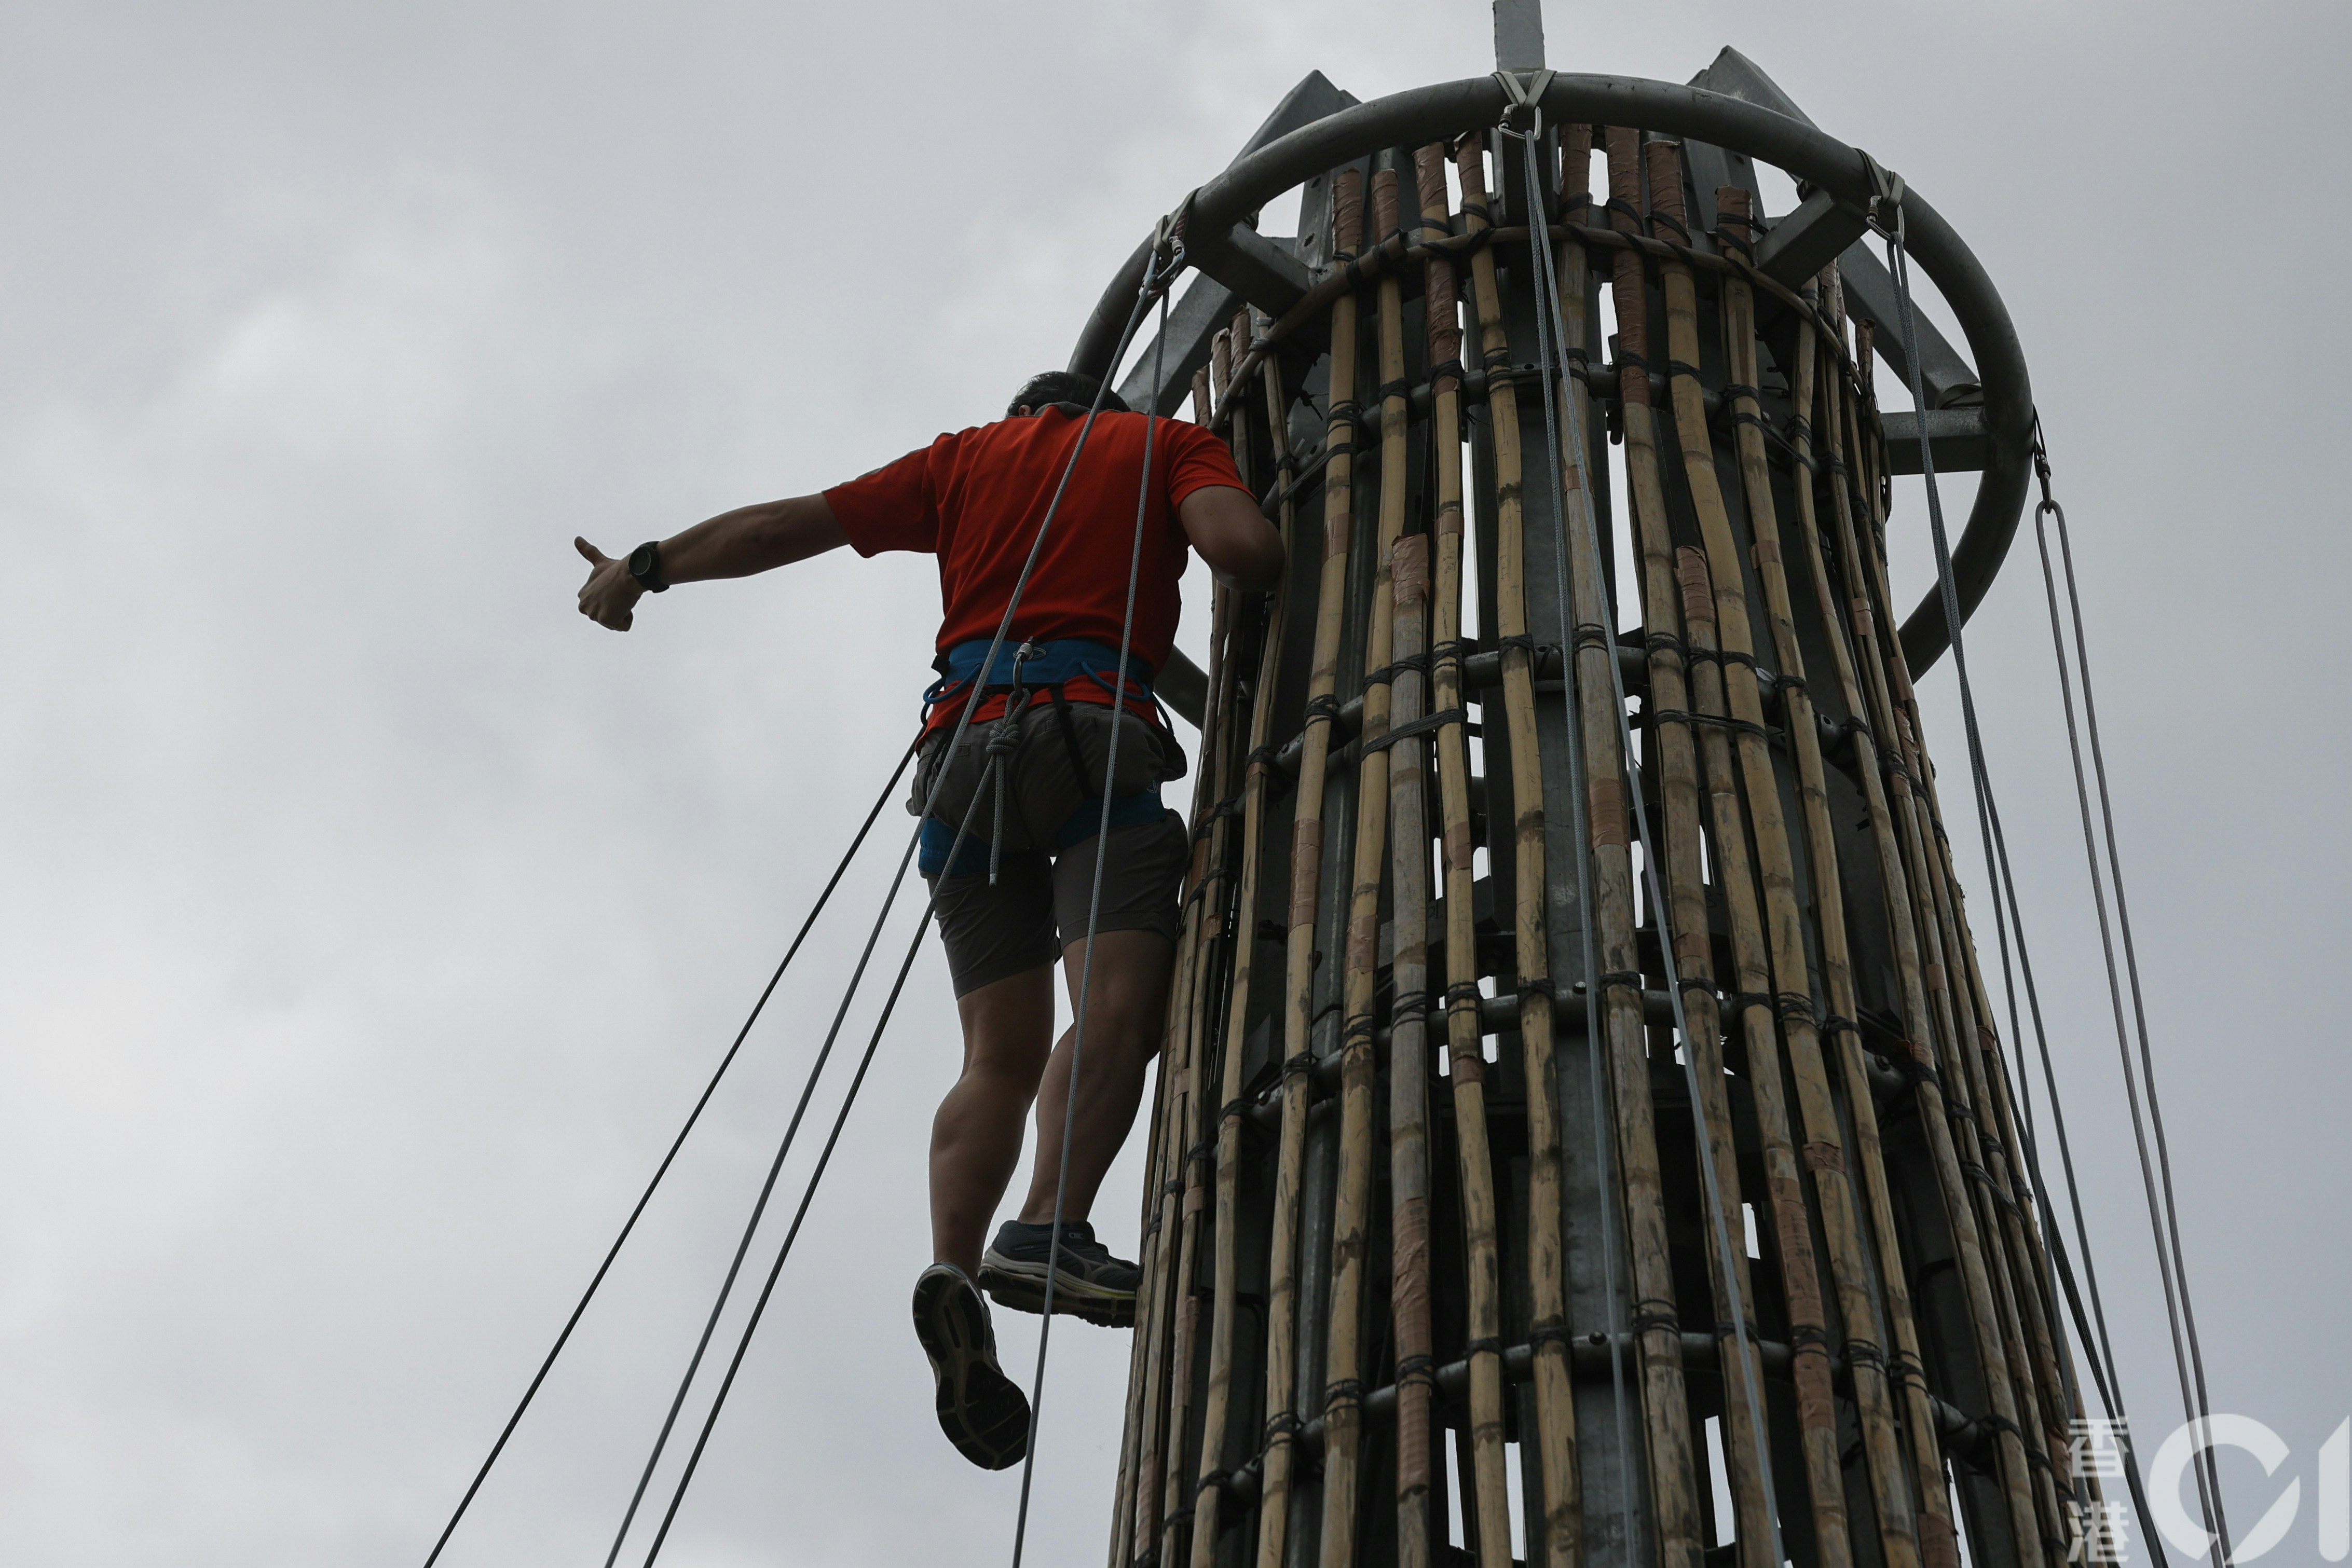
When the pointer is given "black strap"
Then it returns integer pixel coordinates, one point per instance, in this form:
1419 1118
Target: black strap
1437 720
1070 739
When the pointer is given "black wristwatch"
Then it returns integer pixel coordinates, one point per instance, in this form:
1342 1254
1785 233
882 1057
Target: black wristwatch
645 565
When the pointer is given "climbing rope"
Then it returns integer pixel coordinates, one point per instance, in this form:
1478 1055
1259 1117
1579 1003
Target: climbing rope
2097 1348
767 1188
1155 284
1551 330
800 1213
692 1116
1094 902
2169 1256
1887 216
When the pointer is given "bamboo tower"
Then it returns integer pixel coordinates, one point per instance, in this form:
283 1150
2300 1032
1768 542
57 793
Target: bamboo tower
1580 1135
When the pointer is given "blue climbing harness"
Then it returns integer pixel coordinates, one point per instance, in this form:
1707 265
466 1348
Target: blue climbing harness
1020 674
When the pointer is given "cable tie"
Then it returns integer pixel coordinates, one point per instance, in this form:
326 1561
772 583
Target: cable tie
1419 727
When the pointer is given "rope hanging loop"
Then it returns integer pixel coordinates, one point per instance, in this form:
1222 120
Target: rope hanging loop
1885 214
1523 111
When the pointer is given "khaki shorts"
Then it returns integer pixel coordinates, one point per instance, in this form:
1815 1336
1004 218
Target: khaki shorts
1038 906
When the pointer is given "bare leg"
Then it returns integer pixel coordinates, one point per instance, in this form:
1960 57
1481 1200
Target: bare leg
1127 1007
976 1136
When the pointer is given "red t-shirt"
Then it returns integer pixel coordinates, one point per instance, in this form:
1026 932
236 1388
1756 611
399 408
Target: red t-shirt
975 500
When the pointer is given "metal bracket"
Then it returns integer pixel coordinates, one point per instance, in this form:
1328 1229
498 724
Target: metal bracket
1818 232
1957 436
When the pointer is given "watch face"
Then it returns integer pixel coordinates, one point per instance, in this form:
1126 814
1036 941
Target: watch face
641 562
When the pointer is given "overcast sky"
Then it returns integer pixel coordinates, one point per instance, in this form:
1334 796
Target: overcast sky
368 920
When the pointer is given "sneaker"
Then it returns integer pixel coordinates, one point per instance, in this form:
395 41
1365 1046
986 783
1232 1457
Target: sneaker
984 1412
1088 1282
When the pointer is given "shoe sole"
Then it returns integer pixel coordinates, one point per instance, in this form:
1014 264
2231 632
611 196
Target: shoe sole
1011 1287
984 1413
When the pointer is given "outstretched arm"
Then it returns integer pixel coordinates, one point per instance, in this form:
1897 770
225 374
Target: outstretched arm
741 543
1232 535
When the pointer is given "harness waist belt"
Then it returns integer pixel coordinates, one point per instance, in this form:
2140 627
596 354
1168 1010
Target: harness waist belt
1055 662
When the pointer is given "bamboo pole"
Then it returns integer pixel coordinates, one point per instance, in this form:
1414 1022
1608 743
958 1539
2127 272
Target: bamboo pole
1845 616
1658 1329
1305 881
1938 1542
1986 1121
2032 1362
2051 1359
1706 616
1397 252
1616 946
1142 1365
1199 1052
1217 1418
1409 1298
1157 1301
1792 1228
1825 1152
1959 1209
1344 1366
1487 1502
1546 1264
1983 1163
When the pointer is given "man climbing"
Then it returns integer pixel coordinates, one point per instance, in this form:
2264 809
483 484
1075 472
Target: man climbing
1029 775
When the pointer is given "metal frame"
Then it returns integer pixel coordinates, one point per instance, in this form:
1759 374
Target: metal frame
1221 240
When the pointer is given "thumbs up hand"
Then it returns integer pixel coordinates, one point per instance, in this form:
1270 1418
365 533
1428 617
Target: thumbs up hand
610 595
